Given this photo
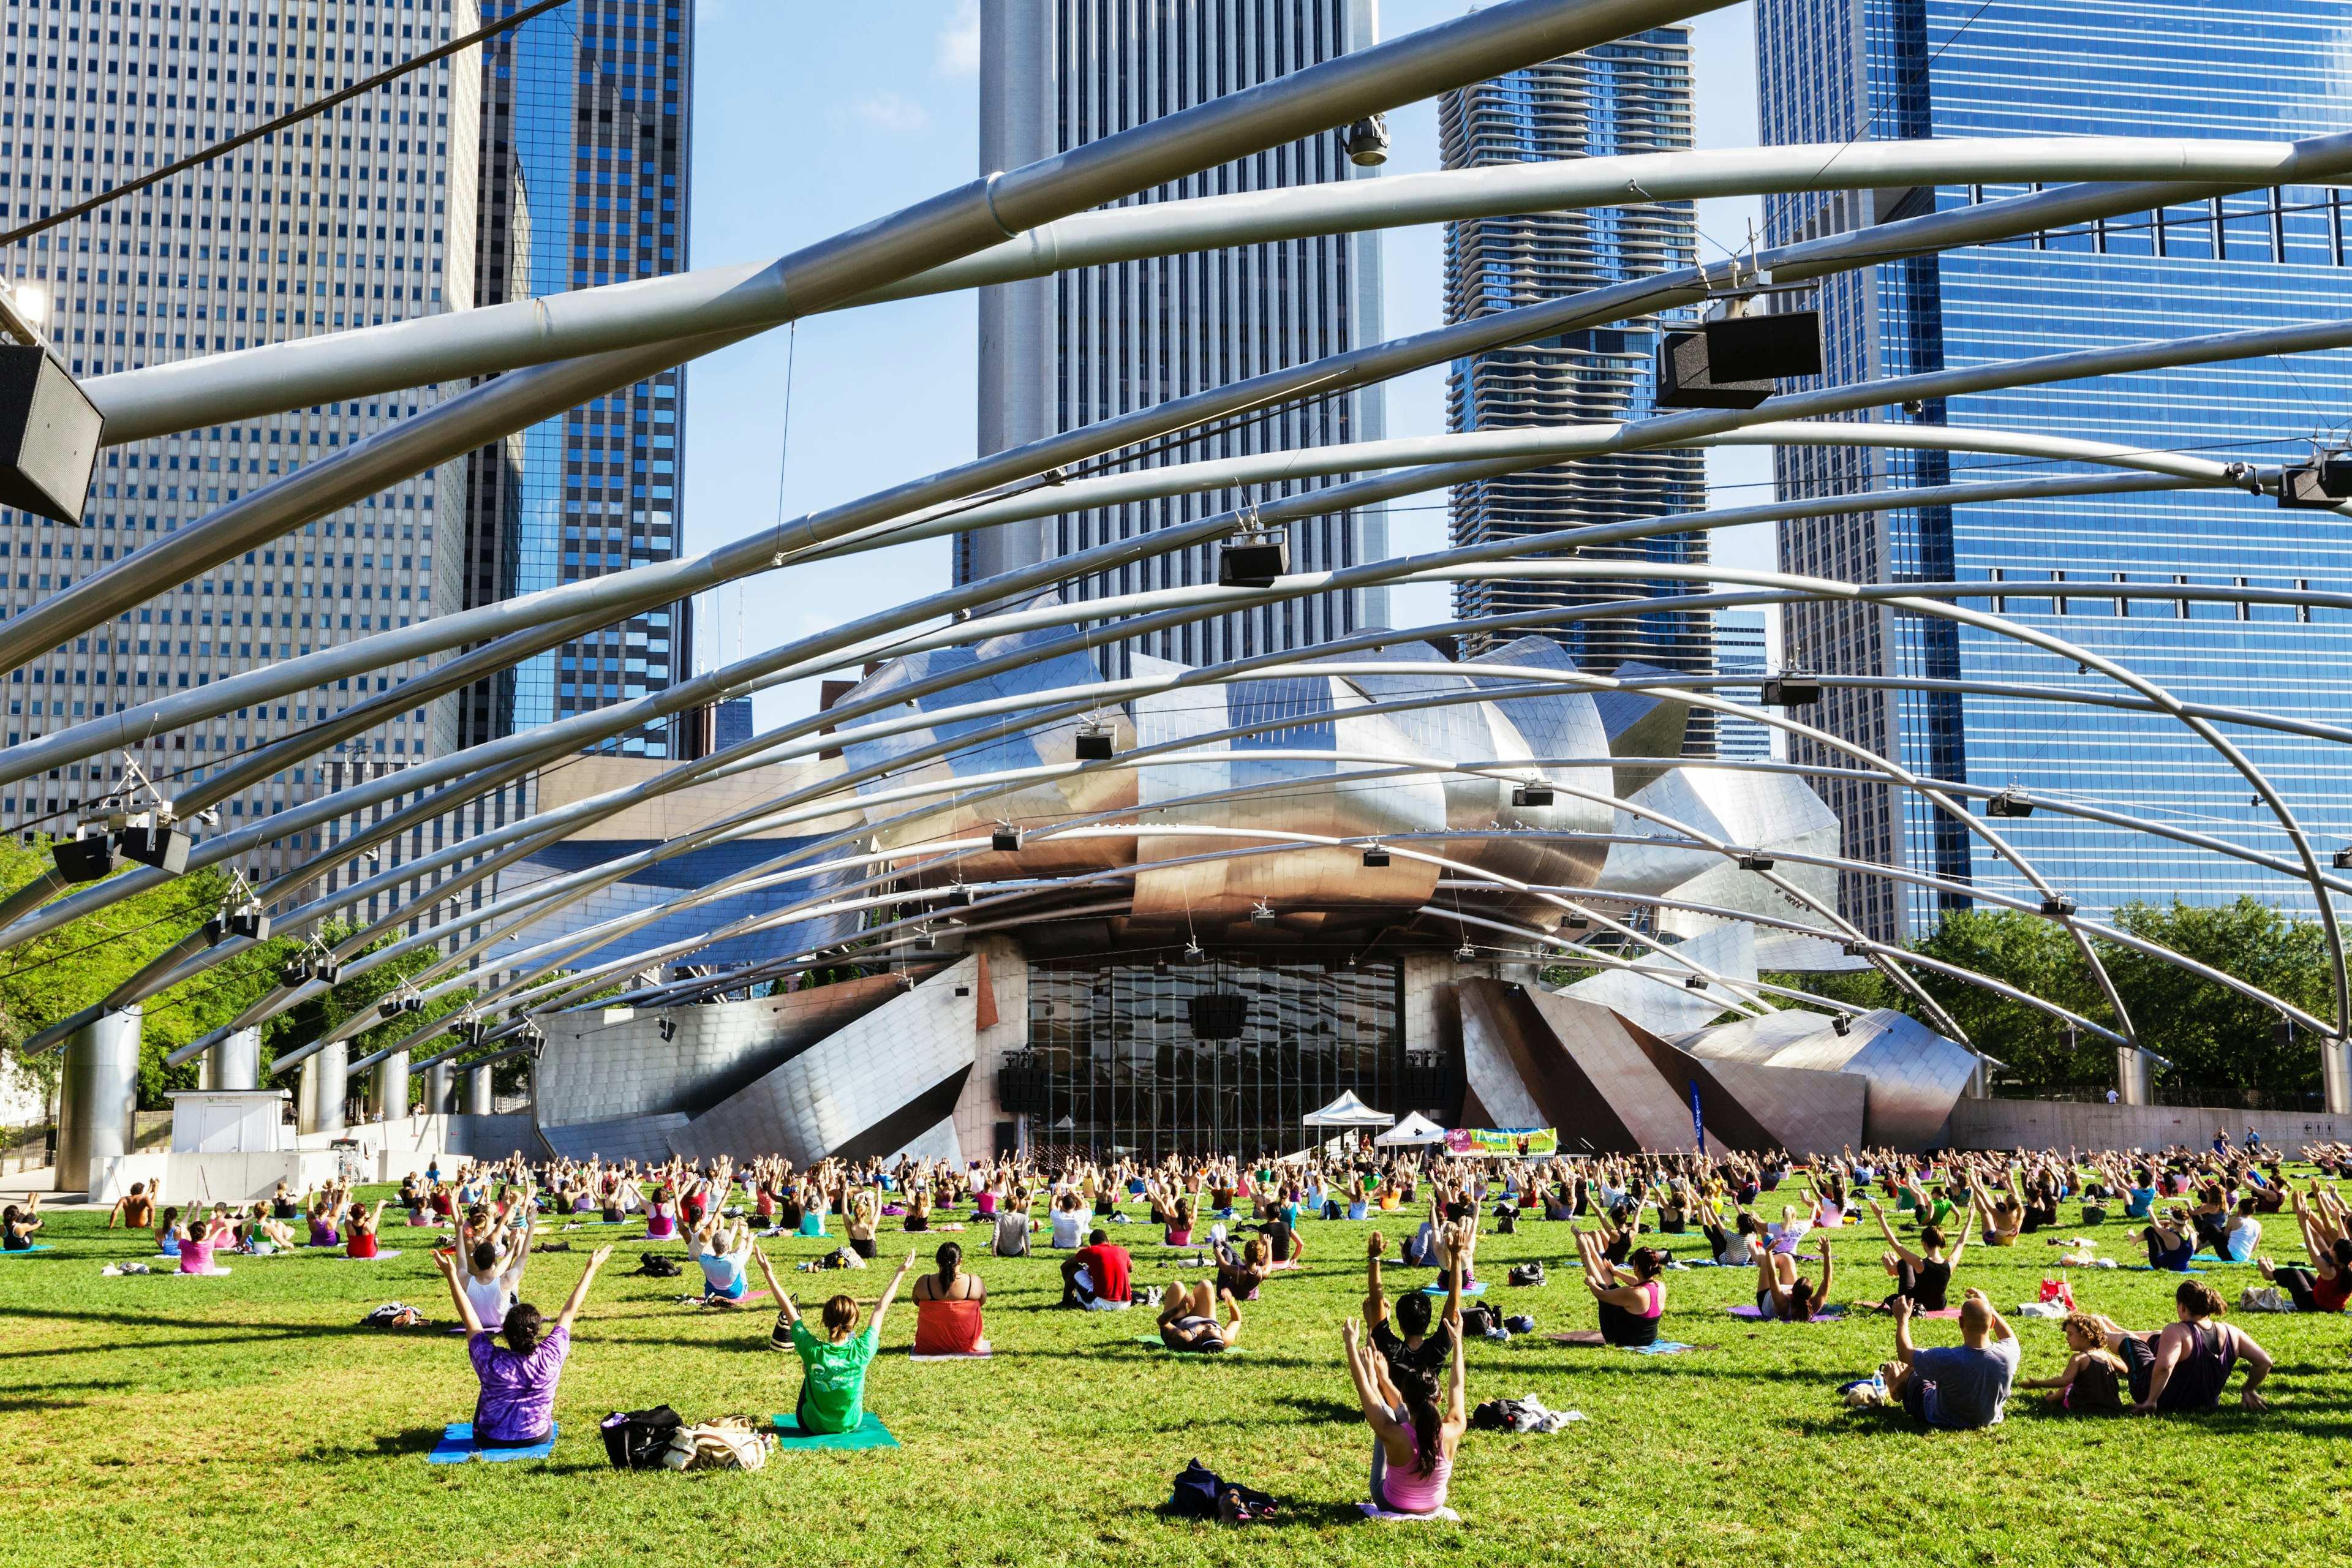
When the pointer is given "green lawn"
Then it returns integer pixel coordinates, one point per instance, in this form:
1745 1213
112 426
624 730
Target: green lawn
249 1420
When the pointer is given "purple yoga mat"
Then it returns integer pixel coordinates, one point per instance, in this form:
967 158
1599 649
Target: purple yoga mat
1817 1318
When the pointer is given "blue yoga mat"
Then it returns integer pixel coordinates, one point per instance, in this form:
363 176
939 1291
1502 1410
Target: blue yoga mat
20 1251
1477 1289
456 1446
1661 1347
867 1433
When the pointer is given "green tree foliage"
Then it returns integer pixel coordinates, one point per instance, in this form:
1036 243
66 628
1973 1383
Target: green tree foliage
363 992
2213 1034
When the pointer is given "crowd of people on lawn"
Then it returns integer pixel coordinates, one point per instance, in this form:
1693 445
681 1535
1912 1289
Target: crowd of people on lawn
1244 1224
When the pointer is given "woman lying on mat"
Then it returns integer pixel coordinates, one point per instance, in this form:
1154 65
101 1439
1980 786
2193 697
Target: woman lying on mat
17 1224
833 1369
1414 1436
1924 1275
1188 1319
948 1307
1631 1297
359 1229
1781 1296
518 1379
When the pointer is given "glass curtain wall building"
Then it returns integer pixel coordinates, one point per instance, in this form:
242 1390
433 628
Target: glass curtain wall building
1629 97
360 217
1833 69
1740 650
1093 342
586 118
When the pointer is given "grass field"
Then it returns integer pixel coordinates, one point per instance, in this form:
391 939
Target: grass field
249 1420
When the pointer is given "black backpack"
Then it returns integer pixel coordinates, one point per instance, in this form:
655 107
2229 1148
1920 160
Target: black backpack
657 1266
1527 1274
1198 1488
635 1439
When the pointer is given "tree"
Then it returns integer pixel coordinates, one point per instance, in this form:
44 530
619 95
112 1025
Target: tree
2036 956
2213 1034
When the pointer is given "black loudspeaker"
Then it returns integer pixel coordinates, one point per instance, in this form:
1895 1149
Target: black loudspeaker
1790 692
165 849
330 971
1755 862
2008 802
1093 746
1253 566
296 973
84 859
252 924
48 436
215 930
1376 857
1006 841
1733 363
1218 1016
2305 489
958 897
1532 794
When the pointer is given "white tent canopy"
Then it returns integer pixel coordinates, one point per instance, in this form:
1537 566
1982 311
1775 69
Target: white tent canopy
1347 1111
1415 1129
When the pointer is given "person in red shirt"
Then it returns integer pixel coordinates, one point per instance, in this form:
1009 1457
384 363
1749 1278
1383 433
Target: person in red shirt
1096 1276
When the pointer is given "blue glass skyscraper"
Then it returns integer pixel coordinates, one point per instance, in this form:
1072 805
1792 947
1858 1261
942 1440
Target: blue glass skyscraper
1629 97
586 123
1832 70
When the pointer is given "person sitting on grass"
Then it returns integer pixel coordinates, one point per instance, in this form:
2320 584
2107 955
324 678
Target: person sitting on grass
1737 1247
17 1224
1924 1275
721 1249
661 1216
517 1401
833 1369
1960 1386
1419 1350
2185 1365
1241 1271
2242 1237
359 1238
198 1236
167 1233
1781 1296
262 1235
2170 1242
1631 1297
948 1307
2092 1381
1414 1438
2327 1285
864 1214
1188 1319
493 1270
1070 1218
1096 1276
135 1208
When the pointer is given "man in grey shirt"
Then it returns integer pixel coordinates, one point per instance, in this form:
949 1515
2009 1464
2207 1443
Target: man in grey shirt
1963 1385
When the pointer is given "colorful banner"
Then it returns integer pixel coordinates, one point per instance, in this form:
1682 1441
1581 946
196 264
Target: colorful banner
1484 1141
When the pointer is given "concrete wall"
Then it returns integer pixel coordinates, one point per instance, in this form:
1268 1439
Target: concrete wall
2060 1124
208 1178
1003 979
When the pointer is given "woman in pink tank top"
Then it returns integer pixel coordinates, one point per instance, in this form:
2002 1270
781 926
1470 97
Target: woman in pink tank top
1415 1429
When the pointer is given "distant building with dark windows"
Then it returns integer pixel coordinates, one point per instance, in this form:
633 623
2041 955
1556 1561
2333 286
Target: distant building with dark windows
1833 70
1629 97
585 149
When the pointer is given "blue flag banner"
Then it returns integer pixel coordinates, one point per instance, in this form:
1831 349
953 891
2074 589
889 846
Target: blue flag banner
1699 1122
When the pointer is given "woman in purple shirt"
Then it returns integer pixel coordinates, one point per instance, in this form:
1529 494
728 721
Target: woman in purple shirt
517 1403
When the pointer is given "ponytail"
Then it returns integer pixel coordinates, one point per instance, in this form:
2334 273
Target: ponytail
951 1258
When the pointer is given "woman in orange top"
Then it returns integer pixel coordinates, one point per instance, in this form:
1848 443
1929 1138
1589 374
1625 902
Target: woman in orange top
946 1308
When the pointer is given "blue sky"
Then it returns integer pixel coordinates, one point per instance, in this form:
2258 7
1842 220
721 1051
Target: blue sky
811 119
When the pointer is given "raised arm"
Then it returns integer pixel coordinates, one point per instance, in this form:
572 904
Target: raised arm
448 1263
1376 1301
890 1294
1828 1268
785 1304
1455 1382
580 1292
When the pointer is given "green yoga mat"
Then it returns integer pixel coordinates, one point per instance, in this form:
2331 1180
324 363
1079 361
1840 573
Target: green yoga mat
867 1433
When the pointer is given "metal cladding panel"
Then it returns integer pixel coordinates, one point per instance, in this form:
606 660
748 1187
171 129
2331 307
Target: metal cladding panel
1609 1058
1667 1006
1916 1075
853 1080
1757 1040
1760 811
1804 1111
592 1072
1489 1068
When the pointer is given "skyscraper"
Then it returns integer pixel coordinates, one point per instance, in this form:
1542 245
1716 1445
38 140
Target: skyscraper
1092 342
1740 650
587 125
1833 70
1629 97
358 218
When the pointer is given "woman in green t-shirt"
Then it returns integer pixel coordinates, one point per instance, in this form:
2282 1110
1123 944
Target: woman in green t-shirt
832 1368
